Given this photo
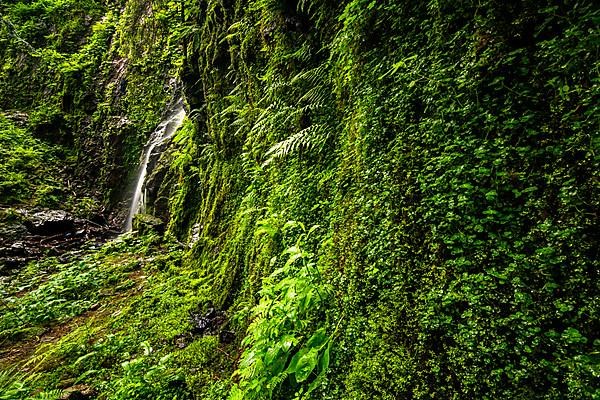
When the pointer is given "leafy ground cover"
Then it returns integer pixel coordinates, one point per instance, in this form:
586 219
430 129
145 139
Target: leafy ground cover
448 151
96 321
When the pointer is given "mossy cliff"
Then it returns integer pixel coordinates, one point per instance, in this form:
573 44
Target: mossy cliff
369 199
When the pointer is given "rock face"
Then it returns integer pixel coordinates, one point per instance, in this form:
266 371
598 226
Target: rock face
78 392
12 231
209 322
157 202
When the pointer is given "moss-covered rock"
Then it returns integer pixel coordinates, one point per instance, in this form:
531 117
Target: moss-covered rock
145 224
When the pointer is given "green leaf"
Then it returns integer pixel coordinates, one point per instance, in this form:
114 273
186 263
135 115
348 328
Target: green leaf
324 360
287 341
317 339
491 195
291 369
306 365
278 365
84 357
323 367
266 228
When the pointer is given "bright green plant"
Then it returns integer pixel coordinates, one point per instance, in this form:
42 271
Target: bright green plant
26 167
12 385
15 385
282 341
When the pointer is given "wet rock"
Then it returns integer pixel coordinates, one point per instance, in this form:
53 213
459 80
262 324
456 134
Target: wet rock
12 231
8 264
208 322
201 324
27 235
49 222
226 337
156 202
13 256
15 249
78 392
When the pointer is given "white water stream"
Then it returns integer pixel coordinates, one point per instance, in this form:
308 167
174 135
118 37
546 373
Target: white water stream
161 134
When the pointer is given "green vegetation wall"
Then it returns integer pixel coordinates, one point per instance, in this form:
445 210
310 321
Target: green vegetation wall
398 198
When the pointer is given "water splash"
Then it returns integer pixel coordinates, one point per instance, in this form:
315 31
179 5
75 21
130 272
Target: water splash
161 134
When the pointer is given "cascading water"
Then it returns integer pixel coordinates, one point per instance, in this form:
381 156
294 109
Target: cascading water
161 134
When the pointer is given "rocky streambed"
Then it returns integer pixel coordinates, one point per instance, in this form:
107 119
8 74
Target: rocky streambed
30 234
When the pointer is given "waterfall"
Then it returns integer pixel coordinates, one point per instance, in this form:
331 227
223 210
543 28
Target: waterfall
161 134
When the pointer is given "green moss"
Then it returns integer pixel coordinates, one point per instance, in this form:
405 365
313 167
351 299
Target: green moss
439 168
207 364
90 82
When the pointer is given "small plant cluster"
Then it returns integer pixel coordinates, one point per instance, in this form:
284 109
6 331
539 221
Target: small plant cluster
142 378
49 293
15 386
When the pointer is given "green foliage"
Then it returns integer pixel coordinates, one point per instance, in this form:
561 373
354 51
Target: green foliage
448 149
12 384
462 175
30 302
90 82
97 327
144 379
281 340
27 168
15 385
206 364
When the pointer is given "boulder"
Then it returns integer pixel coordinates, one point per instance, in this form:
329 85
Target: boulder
12 231
145 223
49 222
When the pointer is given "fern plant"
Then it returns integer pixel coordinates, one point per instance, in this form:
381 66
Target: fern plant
12 385
15 385
309 138
314 100
280 343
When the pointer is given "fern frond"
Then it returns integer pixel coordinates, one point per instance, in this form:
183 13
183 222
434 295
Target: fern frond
308 139
316 96
314 76
12 384
303 54
55 394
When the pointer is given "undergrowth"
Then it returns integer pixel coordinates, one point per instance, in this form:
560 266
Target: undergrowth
103 313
